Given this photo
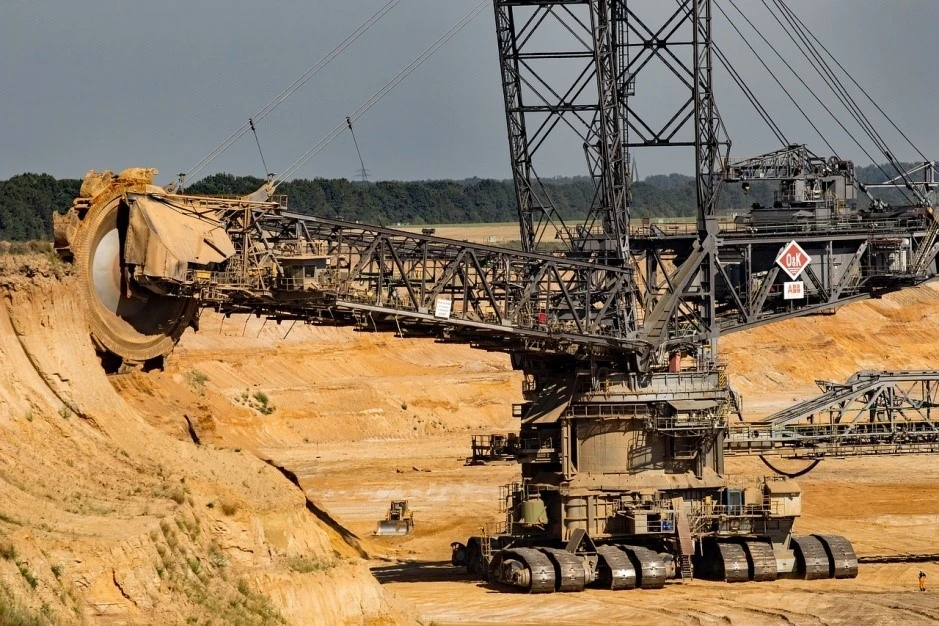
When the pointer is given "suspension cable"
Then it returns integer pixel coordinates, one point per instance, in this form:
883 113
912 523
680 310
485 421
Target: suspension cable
809 89
742 85
787 9
773 75
381 93
829 79
267 172
286 93
355 142
841 92
751 97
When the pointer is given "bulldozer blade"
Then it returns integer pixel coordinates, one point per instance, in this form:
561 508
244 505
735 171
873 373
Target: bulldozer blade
386 528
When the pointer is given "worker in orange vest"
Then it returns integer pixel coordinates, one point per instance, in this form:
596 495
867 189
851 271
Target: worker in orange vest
922 581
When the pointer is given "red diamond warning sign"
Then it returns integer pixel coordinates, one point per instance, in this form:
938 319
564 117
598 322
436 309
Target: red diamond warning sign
793 259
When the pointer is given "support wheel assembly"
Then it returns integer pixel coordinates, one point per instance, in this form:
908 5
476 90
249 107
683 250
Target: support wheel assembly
523 569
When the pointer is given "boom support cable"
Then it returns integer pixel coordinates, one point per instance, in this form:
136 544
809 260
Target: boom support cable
775 78
286 93
801 80
267 172
751 97
355 142
841 92
808 31
381 93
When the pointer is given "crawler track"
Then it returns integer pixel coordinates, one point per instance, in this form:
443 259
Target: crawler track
762 561
524 569
569 571
649 566
735 566
842 559
617 571
811 556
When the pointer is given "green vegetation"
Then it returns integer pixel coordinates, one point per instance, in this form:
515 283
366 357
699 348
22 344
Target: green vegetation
196 380
204 582
13 614
306 565
27 201
259 401
27 575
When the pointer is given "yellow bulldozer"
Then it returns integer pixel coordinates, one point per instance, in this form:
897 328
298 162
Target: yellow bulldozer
398 521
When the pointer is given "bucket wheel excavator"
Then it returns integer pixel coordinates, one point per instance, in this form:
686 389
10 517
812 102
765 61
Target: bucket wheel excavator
129 324
627 417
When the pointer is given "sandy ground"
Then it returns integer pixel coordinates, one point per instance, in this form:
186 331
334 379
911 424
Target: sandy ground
363 419
496 233
884 505
110 514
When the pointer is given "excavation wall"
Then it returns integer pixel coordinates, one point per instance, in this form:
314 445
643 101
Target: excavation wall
109 518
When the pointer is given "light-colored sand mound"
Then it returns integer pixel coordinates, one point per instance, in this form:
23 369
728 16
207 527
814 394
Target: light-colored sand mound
107 519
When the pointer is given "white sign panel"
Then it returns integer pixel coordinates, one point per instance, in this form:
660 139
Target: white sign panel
442 308
793 259
795 291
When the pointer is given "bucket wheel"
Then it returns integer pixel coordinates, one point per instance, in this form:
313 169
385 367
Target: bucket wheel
130 326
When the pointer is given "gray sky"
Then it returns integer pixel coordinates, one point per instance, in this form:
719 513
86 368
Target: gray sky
117 83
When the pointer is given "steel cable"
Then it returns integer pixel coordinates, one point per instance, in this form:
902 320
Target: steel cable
856 84
801 80
773 75
381 93
286 93
748 93
837 87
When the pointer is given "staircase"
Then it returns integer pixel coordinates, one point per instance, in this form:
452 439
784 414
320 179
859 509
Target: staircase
685 544
926 249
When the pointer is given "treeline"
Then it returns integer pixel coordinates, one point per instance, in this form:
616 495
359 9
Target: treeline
27 201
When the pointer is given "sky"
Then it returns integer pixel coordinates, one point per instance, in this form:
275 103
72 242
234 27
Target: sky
109 84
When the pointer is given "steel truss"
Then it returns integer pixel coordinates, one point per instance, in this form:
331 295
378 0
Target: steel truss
540 105
379 276
852 260
871 413
512 300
